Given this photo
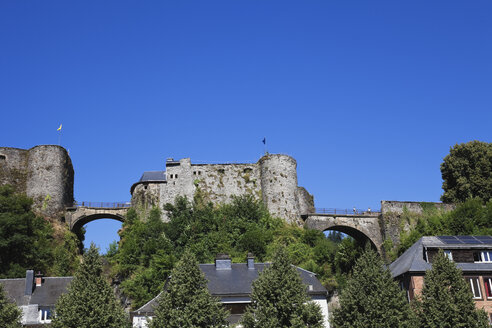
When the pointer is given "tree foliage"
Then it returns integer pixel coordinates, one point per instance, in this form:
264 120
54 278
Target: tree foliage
89 301
446 300
467 172
186 302
372 299
9 312
279 298
149 248
30 242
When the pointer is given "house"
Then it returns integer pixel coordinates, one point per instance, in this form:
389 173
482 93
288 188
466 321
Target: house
472 254
35 295
231 283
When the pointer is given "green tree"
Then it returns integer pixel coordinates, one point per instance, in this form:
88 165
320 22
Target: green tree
90 301
446 300
25 239
467 172
279 298
372 299
187 302
9 312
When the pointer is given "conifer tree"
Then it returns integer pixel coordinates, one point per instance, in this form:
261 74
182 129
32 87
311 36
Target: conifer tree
372 299
186 302
90 301
446 300
279 298
9 312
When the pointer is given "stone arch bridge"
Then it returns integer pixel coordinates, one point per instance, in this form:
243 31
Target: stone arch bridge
361 225
84 212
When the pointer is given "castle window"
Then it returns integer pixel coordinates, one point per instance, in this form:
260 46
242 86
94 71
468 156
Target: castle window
176 176
199 172
2 157
221 171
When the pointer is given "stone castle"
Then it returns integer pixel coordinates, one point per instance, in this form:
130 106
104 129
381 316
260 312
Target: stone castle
44 173
272 179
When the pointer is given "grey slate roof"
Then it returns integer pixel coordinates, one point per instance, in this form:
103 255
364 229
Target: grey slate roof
150 176
235 284
413 259
153 176
45 295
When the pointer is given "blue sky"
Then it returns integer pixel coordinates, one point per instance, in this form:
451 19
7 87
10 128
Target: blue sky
368 96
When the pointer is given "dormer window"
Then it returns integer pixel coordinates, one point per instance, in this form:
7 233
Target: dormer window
482 257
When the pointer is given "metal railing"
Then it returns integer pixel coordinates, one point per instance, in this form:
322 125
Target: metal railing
103 204
346 211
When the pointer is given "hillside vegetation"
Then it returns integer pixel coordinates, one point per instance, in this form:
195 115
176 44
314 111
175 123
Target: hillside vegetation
149 248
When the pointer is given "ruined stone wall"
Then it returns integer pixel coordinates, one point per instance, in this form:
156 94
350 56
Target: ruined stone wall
391 221
44 173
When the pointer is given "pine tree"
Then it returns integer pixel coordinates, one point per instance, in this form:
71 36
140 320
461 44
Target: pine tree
187 302
90 301
279 298
446 300
9 312
372 299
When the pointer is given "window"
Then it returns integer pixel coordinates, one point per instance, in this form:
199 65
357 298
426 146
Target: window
448 254
475 287
2 157
45 315
487 282
483 257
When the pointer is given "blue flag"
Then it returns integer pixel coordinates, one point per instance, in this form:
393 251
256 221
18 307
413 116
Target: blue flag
264 141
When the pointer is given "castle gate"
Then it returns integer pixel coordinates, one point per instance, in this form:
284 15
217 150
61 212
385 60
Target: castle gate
361 225
84 212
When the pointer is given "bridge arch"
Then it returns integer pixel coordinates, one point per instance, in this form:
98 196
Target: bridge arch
77 217
363 228
84 219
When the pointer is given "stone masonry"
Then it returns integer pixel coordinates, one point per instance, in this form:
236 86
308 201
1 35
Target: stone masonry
44 173
273 179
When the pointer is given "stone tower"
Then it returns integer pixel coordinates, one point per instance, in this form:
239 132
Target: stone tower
44 173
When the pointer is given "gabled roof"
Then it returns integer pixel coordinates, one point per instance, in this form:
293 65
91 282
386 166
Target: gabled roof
234 284
413 259
45 295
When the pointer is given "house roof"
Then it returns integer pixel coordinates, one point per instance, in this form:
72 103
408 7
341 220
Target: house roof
413 259
45 295
234 285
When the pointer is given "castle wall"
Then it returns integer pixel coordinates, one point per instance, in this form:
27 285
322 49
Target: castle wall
273 179
44 173
13 168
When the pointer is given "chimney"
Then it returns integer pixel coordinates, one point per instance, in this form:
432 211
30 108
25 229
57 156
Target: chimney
223 262
29 282
39 279
251 261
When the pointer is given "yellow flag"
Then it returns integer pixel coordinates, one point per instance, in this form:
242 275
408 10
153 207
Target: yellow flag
59 129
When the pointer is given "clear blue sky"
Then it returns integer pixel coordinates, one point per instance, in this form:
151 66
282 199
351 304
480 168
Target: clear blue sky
368 96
